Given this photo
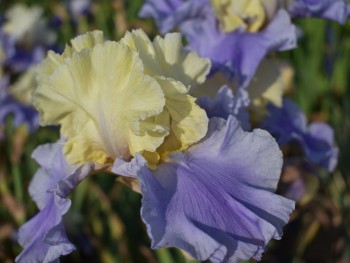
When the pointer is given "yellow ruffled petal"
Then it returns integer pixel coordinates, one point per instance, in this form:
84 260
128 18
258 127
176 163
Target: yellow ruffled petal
167 57
87 40
118 99
189 123
101 97
53 60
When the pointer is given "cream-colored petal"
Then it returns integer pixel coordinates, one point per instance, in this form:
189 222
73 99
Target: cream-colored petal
118 99
86 145
87 40
246 15
101 91
152 132
189 123
167 57
53 60
267 84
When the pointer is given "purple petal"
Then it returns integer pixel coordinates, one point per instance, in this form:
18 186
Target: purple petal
22 114
240 52
216 200
285 122
289 123
318 145
53 169
161 11
7 43
36 235
225 104
328 9
43 238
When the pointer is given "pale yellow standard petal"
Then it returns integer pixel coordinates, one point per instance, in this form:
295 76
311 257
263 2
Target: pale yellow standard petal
53 60
189 122
118 99
101 97
176 70
267 84
248 15
167 57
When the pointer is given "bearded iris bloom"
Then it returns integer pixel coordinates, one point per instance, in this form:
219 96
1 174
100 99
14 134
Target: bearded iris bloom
235 35
124 107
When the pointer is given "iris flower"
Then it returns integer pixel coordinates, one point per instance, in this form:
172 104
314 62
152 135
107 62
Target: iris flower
22 113
316 139
336 10
124 107
235 34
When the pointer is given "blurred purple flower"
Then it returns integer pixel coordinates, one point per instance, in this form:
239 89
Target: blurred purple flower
317 140
21 113
78 8
43 237
238 51
7 48
15 57
328 9
25 40
211 199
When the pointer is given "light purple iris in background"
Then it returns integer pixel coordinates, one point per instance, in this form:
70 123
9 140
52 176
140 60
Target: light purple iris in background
21 113
336 10
226 103
237 52
18 59
317 139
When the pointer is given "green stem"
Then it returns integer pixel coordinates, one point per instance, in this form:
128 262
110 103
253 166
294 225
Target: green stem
17 180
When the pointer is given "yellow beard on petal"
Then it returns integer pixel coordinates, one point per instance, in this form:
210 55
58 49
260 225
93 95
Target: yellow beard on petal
110 104
248 15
